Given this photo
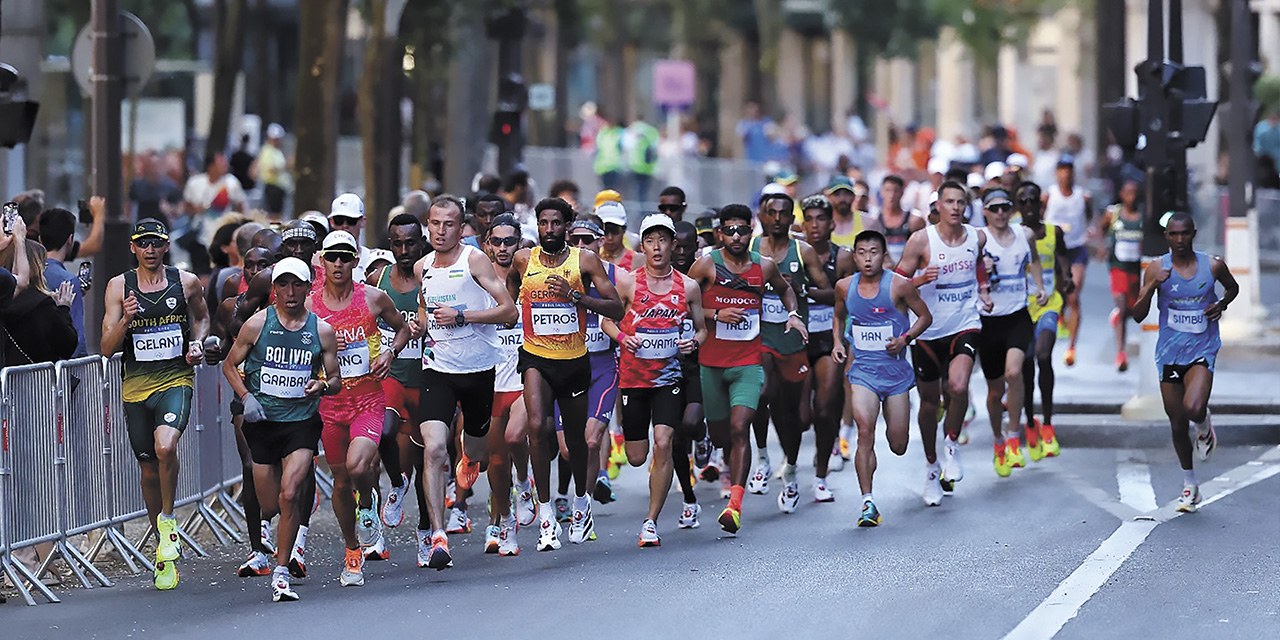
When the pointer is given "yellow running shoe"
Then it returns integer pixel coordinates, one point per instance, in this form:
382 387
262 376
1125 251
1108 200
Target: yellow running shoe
1069 358
730 520
1034 448
166 574
1013 453
1001 463
1049 441
168 546
844 448
617 454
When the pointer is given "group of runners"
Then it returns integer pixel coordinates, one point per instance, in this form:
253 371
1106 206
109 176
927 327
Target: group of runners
447 359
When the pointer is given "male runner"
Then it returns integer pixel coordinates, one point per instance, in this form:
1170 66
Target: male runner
462 300
353 417
846 220
613 217
551 279
693 428
1071 209
671 202
1188 343
1054 263
945 257
657 300
892 221
1123 224
785 360
732 279
874 303
281 348
1006 326
159 316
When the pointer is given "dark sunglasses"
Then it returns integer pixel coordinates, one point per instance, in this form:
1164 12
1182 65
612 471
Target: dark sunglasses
668 208
736 230
580 240
339 257
1000 208
509 241
343 221
150 243
1029 201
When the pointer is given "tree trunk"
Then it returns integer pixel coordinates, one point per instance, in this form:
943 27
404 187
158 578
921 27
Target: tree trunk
267 86
323 25
230 58
770 22
470 98
379 113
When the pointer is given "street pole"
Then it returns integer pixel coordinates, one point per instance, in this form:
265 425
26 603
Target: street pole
106 180
1242 233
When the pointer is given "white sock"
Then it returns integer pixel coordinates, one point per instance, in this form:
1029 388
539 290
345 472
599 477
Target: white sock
581 503
846 431
522 485
1189 477
544 511
301 541
165 516
762 454
281 571
439 532
866 497
788 473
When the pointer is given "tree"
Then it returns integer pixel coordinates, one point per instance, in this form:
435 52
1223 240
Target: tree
986 25
324 25
226 68
379 113
889 29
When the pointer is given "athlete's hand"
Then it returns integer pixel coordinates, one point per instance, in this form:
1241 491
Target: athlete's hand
195 353
838 353
1214 311
1042 298
631 343
314 388
382 366
213 353
131 307
896 344
1066 286
445 317
930 274
342 341
417 328
253 411
687 346
559 287
798 325
1161 275
731 315
987 304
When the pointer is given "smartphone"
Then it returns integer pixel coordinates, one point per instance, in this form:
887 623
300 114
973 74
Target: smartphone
86 216
86 276
9 215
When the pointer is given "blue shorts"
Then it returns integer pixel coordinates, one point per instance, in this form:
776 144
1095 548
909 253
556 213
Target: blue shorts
884 378
1078 255
1047 322
602 395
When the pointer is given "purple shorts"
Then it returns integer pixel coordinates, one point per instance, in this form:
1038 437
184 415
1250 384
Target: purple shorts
602 395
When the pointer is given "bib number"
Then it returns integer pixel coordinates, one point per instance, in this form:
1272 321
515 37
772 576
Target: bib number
511 338
441 334
353 361
554 319
411 351
284 380
152 344
743 331
597 341
1128 251
774 311
874 338
1188 321
821 318
658 344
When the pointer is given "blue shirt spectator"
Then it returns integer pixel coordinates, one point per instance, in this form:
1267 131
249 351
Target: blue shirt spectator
753 130
58 235
1266 137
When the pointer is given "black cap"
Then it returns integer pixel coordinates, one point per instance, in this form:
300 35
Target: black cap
704 224
149 227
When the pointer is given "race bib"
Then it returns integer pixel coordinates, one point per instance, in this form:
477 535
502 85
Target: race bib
687 330
1128 251
151 344
441 334
658 344
353 361
774 311
821 318
1188 321
597 340
511 338
554 318
411 351
284 380
743 331
874 338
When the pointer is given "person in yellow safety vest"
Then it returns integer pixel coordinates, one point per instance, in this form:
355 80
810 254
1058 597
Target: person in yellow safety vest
608 162
642 155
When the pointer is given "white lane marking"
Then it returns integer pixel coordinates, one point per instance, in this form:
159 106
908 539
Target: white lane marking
1098 497
1048 618
1134 479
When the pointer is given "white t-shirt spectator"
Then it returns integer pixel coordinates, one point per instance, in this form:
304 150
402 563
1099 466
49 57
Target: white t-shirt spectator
214 198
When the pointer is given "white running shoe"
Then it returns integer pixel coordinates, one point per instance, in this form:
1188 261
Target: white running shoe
549 535
526 507
582 527
789 497
758 483
280 590
836 462
393 508
820 491
268 538
258 564
649 534
951 469
368 524
424 548
1206 440
377 550
1189 501
508 545
459 521
932 486
689 516
491 538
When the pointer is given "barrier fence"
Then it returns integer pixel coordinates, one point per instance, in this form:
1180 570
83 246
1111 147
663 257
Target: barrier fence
67 469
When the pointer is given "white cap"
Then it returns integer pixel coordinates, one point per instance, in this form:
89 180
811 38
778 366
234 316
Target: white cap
933 198
347 204
656 221
938 165
315 217
293 267
340 240
1016 161
612 213
974 181
993 171
275 131
772 188
381 254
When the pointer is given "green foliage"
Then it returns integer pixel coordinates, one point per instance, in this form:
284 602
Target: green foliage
888 28
1267 92
985 25
168 20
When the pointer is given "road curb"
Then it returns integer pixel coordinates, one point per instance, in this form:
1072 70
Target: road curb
1091 431
1112 407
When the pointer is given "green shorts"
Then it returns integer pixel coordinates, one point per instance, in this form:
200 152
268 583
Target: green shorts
170 407
724 388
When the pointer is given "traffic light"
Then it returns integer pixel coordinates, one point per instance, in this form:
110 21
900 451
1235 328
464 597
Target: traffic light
505 127
17 115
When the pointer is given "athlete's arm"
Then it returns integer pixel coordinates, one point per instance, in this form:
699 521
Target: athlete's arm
1229 285
256 296
703 273
607 305
505 311
980 270
380 303
118 314
693 294
773 277
626 293
907 295
1155 274
374 276
230 286
332 382
840 352
915 257
197 317
1061 270
245 340
821 290
1037 269
845 267
515 275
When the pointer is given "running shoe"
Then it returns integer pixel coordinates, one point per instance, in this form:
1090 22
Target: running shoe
1188 502
268 539
459 521
450 494
582 527
835 462
1122 362
257 565
562 510
726 486
617 449
438 558
378 550
508 545
368 525
758 483
549 536
820 491
730 520
491 535
951 469
424 548
649 534
789 497
526 507
393 508
280 589
1001 462
1069 358
1049 441
352 569
969 415
168 546
1207 440
712 470
689 516
1063 331
166 576
1114 318
603 492
870 515
467 471
845 449
298 562
702 452
963 438
932 486
1035 448
1013 453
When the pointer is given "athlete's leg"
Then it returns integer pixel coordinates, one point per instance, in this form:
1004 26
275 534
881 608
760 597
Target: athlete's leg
537 402
362 467
248 490
1014 386
760 424
1179 425
957 394
866 408
786 419
435 469
517 439
573 411
739 446
660 472
1044 357
1198 383
807 409
499 469
1120 298
681 466
597 451
295 468
927 417
167 467
897 420
1028 384
389 448
1073 302
268 479
828 400
344 504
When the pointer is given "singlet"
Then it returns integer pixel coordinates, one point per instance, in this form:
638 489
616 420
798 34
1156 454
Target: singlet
407 367
279 366
470 347
773 328
1046 252
554 328
1068 213
506 378
845 239
821 316
733 345
1124 239
1008 275
1186 335
658 321
597 340
355 325
953 297
155 344
873 322
895 238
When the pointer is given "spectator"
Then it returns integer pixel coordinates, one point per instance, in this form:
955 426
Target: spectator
212 193
226 257
8 285
58 235
515 192
241 164
640 143
416 204
30 204
1083 157
484 182
1000 148
608 157
753 131
566 190
37 323
274 171
1266 137
153 194
1045 165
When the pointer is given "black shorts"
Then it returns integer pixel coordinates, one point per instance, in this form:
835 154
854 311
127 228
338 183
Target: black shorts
567 378
690 382
1000 334
169 407
1176 373
932 358
659 405
819 347
443 393
270 442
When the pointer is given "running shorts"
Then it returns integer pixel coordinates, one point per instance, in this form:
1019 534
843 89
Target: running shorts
348 416
402 401
1048 322
1000 334
659 405
886 380
567 378
691 382
503 401
932 358
602 396
819 347
443 393
1176 373
724 388
170 407
1126 283
793 367
272 442
1078 255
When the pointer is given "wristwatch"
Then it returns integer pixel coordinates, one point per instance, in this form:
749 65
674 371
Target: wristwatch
461 319
575 295
793 314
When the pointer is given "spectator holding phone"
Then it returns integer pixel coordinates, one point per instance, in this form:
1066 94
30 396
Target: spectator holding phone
57 234
37 323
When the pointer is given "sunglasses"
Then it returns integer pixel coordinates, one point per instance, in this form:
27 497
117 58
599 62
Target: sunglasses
150 243
736 230
509 241
669 208
1000 208
343 221
1029 201
339 257
580 240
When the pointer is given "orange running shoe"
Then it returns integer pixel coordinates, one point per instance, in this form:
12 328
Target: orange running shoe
467 472
1122 362
1069 358
1049 442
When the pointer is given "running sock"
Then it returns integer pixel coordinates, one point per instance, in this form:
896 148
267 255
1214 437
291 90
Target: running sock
439 532
846 431
281 571
603 474
788 473
522 486
544 511
1033 436
762 454
581 503
735 497
166 516
1189 477
866 497
301 540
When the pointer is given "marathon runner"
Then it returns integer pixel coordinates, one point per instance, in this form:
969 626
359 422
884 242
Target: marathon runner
613 217
159 316
846 220
346 213
732 279
353 417
1070 208
552 278
893 222
281 349
1123 224
671 202
1054 264
874 304
693 428
462 300
785 360
943 261
658 300
1007 330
